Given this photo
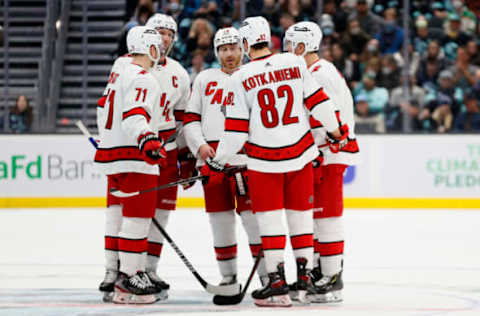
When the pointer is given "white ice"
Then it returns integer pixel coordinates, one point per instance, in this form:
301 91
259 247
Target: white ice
397 262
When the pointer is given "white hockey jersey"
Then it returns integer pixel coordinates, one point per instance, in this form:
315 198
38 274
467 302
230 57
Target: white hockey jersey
174 83
127 110
271 96
335 86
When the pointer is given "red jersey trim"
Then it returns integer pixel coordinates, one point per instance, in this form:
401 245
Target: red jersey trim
190 117
106 155
136 111
281 153
263 57
164 135
101 102
315 99
179 114
236 125
314 123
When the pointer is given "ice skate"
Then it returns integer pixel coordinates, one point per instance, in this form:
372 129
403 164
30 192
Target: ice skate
108 285
304 284
275 293
227 300
160 285
136 289
328 289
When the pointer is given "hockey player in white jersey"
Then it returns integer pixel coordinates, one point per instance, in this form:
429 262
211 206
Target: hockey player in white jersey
129 154
304 39
174 82
271 96
204 124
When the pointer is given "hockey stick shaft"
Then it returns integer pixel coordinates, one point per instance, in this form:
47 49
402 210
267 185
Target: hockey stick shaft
252 273
219 290
85 132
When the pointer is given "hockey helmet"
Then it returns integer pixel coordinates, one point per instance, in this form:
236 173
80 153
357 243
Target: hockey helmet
228 35
255 30
141 38
164 21
308 33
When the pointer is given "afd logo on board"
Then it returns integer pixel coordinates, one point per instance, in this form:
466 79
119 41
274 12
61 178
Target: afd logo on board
349 175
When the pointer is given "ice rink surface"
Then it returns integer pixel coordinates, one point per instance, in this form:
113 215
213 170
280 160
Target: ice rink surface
397 262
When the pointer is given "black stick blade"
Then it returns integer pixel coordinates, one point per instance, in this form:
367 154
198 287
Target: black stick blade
228 300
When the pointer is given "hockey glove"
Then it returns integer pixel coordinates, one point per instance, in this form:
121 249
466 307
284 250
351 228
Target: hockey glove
239 183
152 150
214 172
336 144
187 167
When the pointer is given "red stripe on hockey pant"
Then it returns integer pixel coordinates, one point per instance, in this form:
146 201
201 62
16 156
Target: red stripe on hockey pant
255 249
330 248
154 249
132 245
189 117
111 243
316 98
178 115
301 241
283 153
236 125
274 242
314 123
316 247
226 253
101 102
164 135
105 155
136 111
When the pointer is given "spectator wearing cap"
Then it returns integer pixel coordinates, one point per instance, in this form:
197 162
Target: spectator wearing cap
367 121
369 21
377 96
467 18
463 70
473 51
439 15
390 36
354 39
454 32
398 105
445 104
469 121
424 34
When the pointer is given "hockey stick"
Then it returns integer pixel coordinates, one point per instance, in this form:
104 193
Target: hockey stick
85 132
225 290
237 299
121 194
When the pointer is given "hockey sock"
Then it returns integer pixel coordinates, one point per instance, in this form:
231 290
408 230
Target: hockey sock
224 241
113 221
272 231
155 239
251 228
132 244
300 226
330 243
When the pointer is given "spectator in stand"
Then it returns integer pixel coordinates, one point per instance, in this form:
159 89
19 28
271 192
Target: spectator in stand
349 69
476 86
328 30
143 12
271 11
367 121
454 32
371 51
377 96
427 76
473 51
413 60
390 36
463 70
445 104
435 52
439 15
302 10
339 16
174 8
369 22
467 18
469 121
200 38
354 40
198 64
207 9
424 34
21 116
389 76
399 105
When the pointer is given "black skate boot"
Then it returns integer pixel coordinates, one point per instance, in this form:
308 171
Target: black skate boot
160 285
275 293
299 290
328 289
135 289
228 300
108 284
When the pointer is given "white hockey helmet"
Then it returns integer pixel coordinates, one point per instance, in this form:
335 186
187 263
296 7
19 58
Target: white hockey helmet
308 33
159 20
228 35
255 30
141 38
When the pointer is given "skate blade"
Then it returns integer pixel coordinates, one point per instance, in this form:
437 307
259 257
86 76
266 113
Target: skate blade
293 295
331 297
129 298
302 297
274 301
162 295
107 297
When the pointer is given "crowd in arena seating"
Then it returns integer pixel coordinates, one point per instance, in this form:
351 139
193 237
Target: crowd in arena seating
364 39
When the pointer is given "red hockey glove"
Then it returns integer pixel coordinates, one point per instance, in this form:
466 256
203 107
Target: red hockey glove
187 167
336 144
239 183
214 172
152 150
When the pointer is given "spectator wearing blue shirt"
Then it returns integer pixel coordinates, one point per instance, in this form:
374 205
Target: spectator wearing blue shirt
377 97
390 36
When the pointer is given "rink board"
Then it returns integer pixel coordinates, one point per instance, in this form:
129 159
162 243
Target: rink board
414 171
